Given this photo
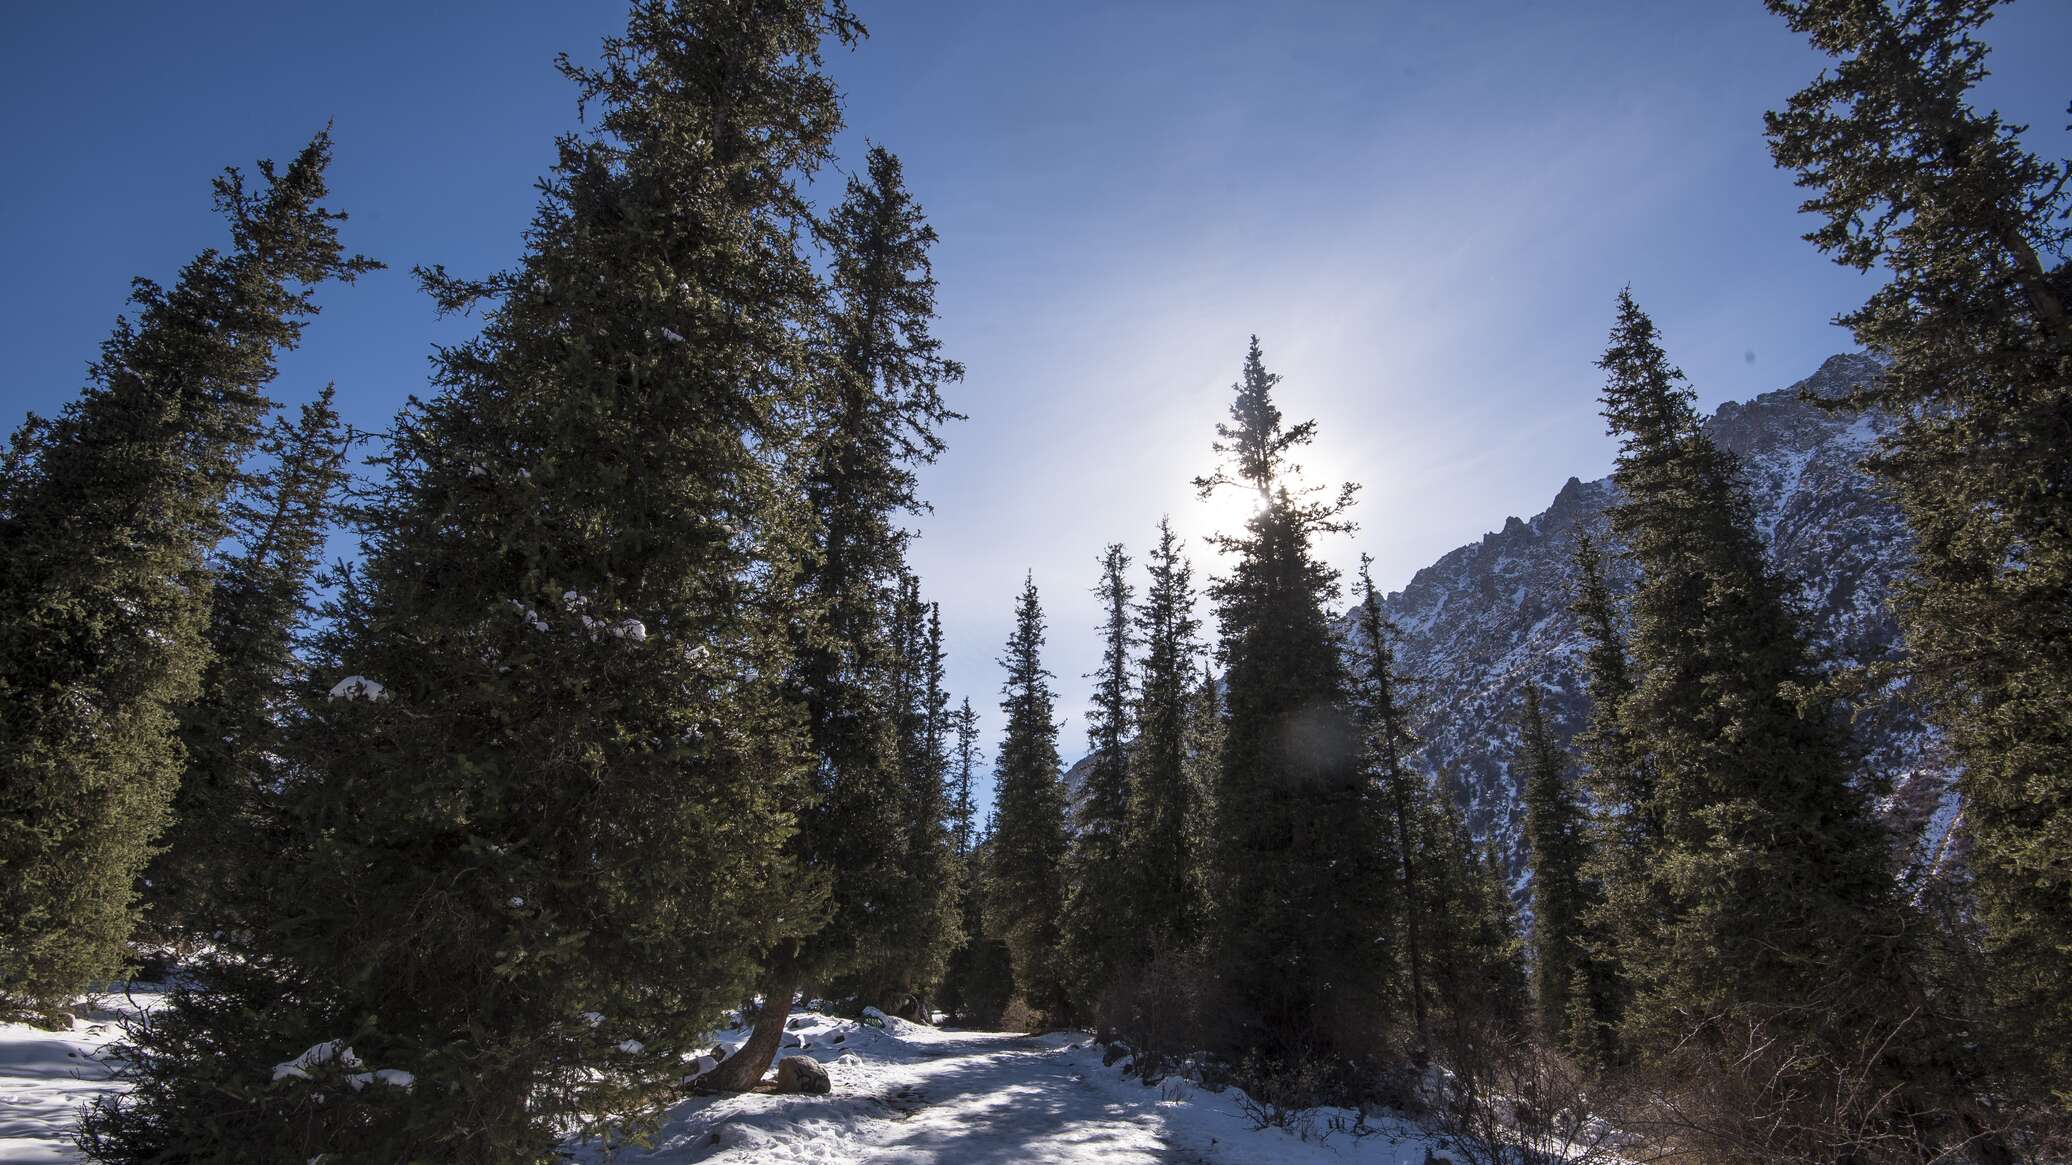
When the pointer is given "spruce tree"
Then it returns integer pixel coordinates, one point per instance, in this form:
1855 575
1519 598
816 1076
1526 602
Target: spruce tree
1622 917
1163 898
1295 824
1782 942
1100 937
1972 228
1617 767
874 417
222 825
1474 959
1203 770
963 806
107 517
919 923
1389 744
1025 865
1403 795
1562 895
542 816
976 980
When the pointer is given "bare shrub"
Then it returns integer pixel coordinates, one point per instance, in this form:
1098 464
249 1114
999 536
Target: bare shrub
1165 1009
1282 1095
1738 1090
1018 1016
1505 1099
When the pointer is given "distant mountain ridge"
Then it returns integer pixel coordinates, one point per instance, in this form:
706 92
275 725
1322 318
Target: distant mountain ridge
1485 619
1491 616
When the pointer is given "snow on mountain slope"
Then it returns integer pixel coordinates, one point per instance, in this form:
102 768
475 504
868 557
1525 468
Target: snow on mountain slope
1494 615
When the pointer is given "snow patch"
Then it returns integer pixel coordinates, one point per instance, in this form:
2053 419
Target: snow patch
330 1052
393 1077
358 688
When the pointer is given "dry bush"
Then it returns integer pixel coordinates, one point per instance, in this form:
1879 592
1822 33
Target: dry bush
1505 1099
1018 1016
1737 1090
1165 1011
1283 1095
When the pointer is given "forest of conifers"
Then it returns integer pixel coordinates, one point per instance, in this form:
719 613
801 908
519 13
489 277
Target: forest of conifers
629 709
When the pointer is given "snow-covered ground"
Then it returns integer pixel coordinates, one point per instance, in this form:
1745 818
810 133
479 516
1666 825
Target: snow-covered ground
902 1093
909 1093
45 1076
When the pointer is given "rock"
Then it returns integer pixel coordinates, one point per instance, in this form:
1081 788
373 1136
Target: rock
1493 615
803 1074
795 1023
1116 1051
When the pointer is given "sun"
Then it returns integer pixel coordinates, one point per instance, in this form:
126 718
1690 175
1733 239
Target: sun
1228 509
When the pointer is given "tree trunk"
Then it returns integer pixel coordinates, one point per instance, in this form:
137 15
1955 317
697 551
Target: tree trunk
744 1069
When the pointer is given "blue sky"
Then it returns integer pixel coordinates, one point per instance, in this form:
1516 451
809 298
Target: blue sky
1424 210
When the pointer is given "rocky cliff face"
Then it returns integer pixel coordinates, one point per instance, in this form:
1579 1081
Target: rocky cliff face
1493 615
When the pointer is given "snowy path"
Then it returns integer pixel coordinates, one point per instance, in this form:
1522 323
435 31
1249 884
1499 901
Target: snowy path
905 1093
932 1097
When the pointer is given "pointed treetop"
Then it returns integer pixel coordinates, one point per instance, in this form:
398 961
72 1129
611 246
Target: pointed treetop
1646 400
1254 442
1025 671
1256 447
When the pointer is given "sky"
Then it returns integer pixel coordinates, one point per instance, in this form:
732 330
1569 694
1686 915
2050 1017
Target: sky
1423 210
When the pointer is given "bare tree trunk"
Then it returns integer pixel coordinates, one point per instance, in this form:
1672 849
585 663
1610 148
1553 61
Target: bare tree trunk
744 1069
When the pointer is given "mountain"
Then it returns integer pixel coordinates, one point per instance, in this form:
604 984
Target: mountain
1482 621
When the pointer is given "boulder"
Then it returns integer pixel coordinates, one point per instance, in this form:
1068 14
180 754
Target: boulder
803 1074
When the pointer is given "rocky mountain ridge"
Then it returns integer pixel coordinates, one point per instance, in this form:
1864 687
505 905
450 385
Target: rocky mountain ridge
1492 616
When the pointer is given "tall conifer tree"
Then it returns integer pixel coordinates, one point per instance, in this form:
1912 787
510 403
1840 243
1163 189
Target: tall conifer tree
107 518
1100 936
963 805
918 919
1203 771
1392 787
1562 894
546 807
1164 901
1783 945
1973 229
874 418
1025 876
1473 956
1625 916
1295 825
979 979
1403 796
222 826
